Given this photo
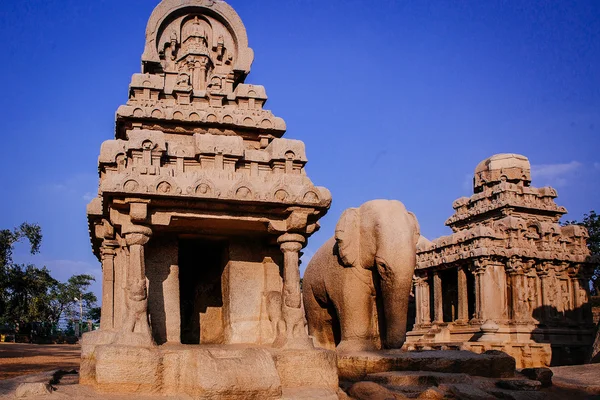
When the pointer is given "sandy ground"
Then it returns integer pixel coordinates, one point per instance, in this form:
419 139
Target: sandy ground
21 363
24 359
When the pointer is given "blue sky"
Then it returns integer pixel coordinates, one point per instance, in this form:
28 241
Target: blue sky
394 99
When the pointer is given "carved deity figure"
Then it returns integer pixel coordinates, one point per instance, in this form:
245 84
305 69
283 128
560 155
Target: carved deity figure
183 80
531 295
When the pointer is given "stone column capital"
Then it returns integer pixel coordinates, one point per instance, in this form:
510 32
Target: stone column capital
108 249
291 242
136 234
420 281
543 269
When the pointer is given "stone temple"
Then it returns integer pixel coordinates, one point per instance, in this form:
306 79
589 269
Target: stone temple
509 278
202 212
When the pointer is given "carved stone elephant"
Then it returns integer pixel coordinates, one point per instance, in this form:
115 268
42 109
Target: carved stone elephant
356 287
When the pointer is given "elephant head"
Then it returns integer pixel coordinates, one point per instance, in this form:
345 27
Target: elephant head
382 236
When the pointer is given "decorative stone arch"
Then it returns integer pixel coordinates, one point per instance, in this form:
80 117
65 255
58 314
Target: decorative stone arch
130 184
204 188
165 186
243 190
167 10
281 194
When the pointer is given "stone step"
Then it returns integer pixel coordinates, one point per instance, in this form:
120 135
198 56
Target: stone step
417 378
355 366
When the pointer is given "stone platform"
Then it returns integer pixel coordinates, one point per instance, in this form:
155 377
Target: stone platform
205 371
356 366
450 375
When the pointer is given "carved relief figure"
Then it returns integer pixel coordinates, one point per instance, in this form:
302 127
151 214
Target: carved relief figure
137 312
531 295
371 258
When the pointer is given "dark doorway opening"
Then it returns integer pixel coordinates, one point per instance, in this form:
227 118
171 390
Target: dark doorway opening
201 266
471 293
450 294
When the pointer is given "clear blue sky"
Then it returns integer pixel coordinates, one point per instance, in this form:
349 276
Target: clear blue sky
394 99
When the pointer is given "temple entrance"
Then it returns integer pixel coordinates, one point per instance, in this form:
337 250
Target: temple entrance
201 265
450 294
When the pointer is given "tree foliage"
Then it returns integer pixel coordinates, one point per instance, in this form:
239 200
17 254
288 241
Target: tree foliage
30 295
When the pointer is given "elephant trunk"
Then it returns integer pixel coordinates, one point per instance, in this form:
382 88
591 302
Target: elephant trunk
395 291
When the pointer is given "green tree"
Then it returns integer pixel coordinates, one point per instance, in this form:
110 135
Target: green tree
592 222
64 294
8 239
31 296
27 292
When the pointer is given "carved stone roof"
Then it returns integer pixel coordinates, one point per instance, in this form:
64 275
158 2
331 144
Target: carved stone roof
194 66
506 217
194 136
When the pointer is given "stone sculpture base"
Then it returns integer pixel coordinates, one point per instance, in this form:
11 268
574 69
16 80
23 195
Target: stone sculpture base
206 371
355 366
526 355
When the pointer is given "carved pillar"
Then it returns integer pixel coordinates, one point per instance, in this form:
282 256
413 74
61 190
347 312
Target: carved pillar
478 269
549 291
423 318
418 300
293 334
584 296
136 319
543 271
577 309
108 252
492 291
514 270
463 296
438 301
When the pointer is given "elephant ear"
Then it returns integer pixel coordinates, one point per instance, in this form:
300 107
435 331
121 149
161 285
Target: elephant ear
417 228
347 236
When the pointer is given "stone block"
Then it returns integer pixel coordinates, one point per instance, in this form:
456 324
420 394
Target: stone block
356 366
32 390
372 391
310 394
307 368
217 372
518 395
433 393
417 378
128 369
519 384
467 392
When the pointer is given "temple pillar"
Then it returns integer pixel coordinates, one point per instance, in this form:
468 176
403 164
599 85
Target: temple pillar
438 301
514 271
108 253
463 296
136 317
573 273
492 291
423 318
478 269
292 333
546 285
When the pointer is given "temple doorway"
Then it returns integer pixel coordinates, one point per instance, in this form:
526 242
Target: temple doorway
201 266
450 294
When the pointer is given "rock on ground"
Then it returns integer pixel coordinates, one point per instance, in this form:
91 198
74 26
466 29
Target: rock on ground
544 375
33 390
372 391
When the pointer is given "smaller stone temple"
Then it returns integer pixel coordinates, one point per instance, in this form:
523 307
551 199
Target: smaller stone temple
202 212
510 277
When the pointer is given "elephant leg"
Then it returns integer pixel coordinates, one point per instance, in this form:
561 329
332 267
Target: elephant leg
320 322
356 319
